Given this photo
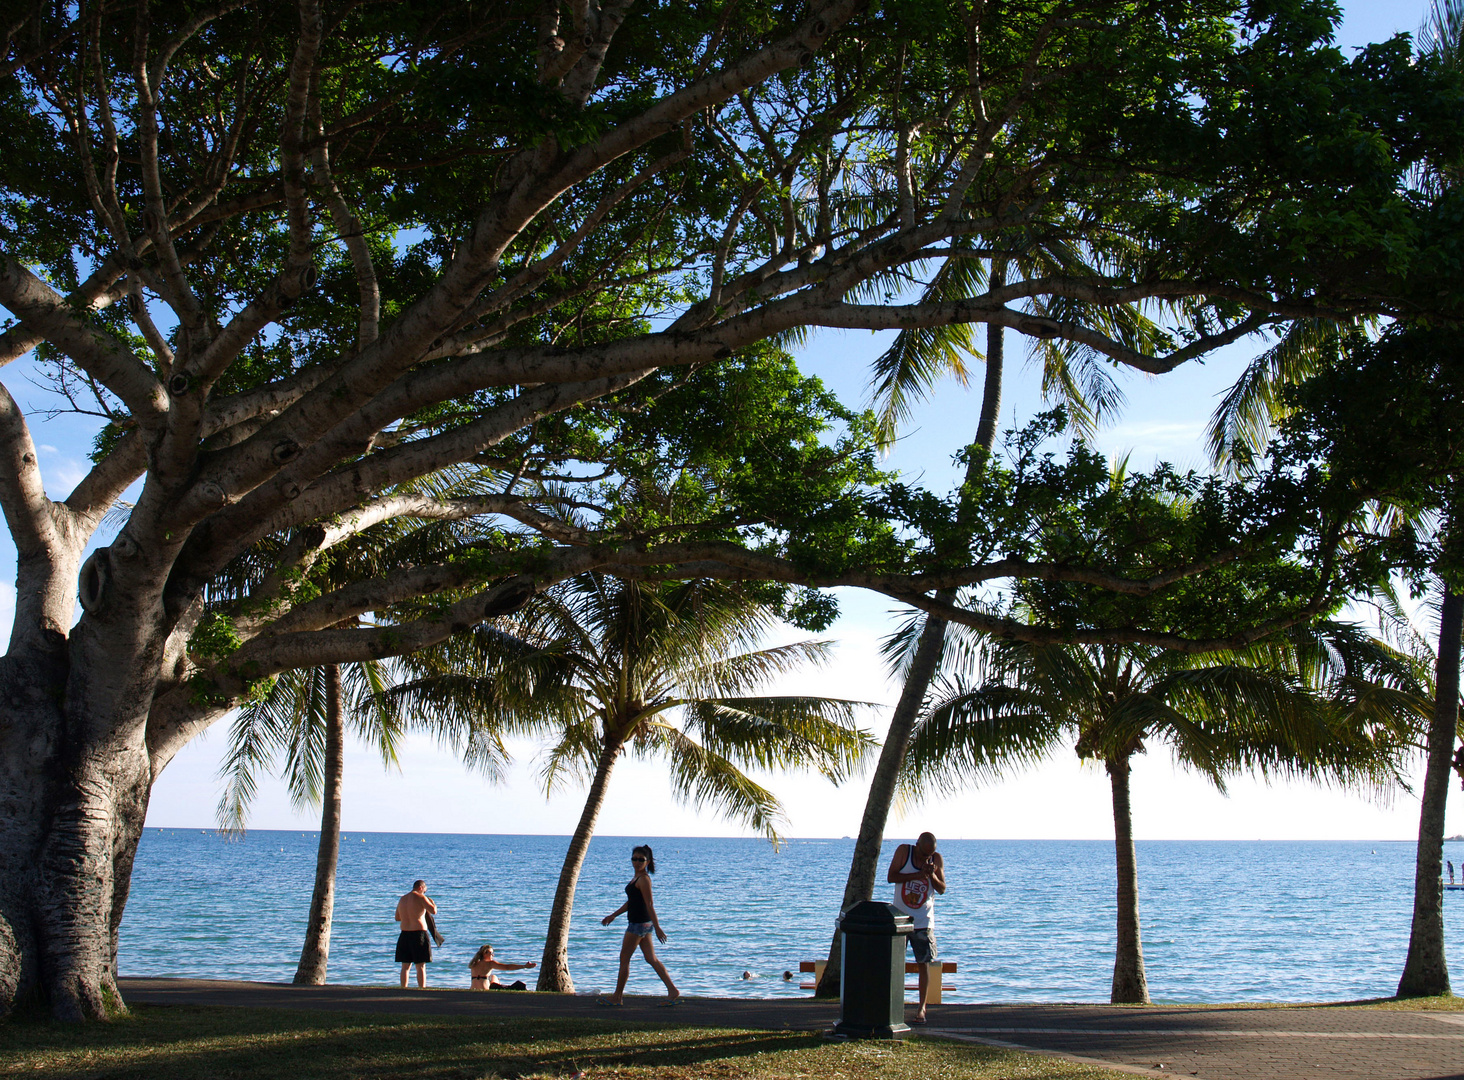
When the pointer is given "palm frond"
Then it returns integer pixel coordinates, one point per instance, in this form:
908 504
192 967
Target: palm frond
783 732
751 670
1240 428
1442 33
304 773
572 756
898 647
920 357
701 777
258 733
365 687
970 734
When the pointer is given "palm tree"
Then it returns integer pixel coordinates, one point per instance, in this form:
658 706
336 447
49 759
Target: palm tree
1239 436
907 372
610 667
1426 971
301 721
1330 703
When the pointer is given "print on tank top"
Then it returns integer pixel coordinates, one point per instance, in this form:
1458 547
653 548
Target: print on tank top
915 893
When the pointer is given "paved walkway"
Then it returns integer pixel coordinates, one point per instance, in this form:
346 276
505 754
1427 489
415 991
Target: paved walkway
1293 1043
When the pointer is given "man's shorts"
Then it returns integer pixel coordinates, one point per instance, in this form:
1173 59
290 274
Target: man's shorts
414 947
923 942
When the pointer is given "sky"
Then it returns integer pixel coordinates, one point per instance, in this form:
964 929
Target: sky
1060 799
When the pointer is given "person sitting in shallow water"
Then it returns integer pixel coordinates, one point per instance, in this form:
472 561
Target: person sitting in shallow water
482 967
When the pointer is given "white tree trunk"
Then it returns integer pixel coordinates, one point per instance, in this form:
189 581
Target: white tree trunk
74 776
74 814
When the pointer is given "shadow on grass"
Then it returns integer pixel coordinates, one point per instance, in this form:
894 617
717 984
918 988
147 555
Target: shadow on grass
181 1043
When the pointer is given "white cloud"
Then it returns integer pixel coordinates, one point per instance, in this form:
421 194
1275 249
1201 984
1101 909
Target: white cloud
61 477
1178 443
1151 432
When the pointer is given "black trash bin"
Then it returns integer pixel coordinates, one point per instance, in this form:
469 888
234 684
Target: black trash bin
872 979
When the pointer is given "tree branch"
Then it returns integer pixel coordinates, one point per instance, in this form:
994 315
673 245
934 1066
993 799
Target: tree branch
283 505
22 495
42 311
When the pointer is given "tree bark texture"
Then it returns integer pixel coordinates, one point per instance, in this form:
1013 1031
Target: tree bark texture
1425 972
74 809
554 966
864 866
28 787
316 952
1130 987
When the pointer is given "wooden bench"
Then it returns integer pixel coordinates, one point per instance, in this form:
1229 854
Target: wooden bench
937 969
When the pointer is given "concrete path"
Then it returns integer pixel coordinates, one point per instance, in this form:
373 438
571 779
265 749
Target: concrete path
1291 1043
1294 1043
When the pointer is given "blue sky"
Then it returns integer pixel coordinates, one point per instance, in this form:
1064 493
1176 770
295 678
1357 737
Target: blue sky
1061 799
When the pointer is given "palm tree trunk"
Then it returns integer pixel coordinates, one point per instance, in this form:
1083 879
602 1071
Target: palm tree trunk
316 952
864 866
554 966
995 360
1425 972
1130 987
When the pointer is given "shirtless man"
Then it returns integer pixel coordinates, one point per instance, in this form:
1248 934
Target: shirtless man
917 872
414 946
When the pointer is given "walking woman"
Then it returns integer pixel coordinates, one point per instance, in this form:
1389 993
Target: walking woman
641 914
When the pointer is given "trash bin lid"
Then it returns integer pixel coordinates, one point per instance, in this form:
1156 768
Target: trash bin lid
876 919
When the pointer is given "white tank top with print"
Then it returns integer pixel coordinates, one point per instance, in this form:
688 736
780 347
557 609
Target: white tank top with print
915 898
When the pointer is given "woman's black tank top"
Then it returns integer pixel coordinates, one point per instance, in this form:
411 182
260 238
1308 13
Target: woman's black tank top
636 910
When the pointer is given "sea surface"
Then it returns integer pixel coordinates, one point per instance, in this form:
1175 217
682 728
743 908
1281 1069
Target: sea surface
1025 920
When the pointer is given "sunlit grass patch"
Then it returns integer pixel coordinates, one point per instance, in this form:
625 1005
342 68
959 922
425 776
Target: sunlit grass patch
1438 1003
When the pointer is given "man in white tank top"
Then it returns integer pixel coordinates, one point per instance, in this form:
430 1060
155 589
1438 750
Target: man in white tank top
918 872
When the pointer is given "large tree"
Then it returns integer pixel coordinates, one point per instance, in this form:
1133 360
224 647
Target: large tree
297 261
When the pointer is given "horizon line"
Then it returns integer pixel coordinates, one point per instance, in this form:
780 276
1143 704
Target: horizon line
805 839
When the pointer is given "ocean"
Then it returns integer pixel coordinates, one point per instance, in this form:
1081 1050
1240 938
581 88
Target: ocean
1025 920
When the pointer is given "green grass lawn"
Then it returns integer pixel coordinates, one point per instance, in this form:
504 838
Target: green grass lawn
210 1043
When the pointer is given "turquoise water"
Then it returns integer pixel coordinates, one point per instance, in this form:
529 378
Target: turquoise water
1025 920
